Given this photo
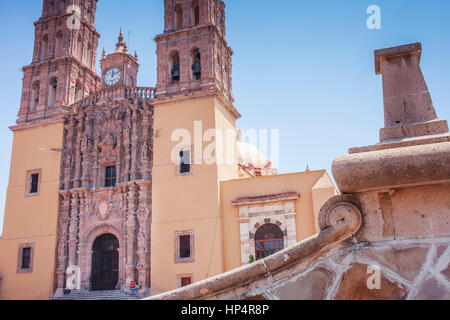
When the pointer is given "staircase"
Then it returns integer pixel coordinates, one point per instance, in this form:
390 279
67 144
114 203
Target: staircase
99 295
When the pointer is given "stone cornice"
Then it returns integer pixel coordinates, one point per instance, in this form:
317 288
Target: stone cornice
288 196
33 125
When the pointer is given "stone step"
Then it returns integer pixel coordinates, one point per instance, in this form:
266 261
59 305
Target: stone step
99 295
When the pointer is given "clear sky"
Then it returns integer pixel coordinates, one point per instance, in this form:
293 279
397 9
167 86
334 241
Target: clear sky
303 67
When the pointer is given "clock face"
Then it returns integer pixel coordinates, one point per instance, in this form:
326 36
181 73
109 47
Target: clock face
112 76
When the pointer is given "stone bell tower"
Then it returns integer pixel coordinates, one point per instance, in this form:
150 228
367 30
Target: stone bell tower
192 52
193 95
64 57
62 71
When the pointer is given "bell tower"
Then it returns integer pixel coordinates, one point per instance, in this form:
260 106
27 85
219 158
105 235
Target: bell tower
62 71
193 99
192 52
63 62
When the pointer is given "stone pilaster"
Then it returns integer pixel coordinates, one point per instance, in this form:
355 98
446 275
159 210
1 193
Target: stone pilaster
62 242
131 235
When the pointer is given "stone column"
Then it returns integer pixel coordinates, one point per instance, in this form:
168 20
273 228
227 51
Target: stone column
76 179
68 157
143 239
134 146
62 242
73 230
130 236
147 149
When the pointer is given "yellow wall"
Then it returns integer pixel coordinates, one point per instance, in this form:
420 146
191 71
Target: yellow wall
32 219
189 202
302 183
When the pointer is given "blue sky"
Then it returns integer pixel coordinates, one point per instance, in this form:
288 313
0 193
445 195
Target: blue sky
303 67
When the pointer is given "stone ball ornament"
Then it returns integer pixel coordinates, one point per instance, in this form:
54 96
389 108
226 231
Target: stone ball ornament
341 208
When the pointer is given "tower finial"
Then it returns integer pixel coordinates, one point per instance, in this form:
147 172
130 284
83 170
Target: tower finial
104 53
121 46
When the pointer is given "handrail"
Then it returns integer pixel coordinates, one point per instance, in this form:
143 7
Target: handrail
122 92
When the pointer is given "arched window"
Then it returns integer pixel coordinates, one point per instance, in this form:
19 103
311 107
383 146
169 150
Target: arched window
44 48
196 64
79 48
179 16
174 65
195 13
59 44
52 90
269 239
35 95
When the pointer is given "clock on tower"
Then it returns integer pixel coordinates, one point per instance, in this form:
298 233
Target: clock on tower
119 68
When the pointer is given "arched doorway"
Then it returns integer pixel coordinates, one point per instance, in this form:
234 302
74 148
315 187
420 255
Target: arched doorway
105 263
268 240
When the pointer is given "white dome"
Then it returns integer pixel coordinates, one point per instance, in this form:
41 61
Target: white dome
250 155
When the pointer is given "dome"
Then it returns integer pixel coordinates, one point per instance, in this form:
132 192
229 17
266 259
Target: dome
249 155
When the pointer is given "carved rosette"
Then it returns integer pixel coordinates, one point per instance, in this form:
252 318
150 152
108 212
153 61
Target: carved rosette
343 208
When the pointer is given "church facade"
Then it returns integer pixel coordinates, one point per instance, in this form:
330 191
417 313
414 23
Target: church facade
104 188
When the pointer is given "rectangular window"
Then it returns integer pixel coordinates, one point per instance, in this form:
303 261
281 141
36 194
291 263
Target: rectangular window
186 281
111 178
184 247
25 258
185 162
33 183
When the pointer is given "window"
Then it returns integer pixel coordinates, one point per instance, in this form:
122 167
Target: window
185 162
35 96
179 16
269 239
196 13
44 48
25 258
184 280
175 67
184 246
196 65
33 183
52 90
110 177
59 44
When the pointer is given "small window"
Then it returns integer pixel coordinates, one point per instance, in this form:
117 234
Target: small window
186 281
33 183
25 258
111 177
179 16
175 68
269 239
184 247
185 162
